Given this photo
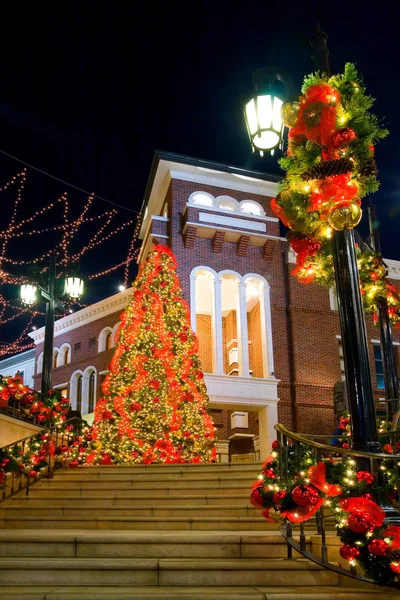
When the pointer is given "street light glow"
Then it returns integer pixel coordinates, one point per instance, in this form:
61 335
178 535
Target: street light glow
121 288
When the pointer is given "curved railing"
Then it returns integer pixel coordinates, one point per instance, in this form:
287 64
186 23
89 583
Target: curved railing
327 555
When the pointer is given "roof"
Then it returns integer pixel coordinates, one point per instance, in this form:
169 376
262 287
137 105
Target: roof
18 359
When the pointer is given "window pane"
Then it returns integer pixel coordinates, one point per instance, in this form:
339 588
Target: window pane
380 382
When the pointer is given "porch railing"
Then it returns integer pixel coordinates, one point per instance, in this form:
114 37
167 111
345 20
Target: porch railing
323 553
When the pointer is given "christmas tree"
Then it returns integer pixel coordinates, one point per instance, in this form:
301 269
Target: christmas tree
154 408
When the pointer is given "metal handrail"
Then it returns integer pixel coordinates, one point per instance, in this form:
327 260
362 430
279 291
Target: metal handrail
289 530
18 482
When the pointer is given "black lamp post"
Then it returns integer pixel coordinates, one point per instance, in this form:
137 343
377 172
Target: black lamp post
74 289
351 314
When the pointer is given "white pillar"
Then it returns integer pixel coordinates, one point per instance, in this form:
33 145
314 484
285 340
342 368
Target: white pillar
266 329
267 418
242 333
193 302
217 342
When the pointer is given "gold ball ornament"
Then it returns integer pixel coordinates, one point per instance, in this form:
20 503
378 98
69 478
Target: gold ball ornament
289 112
95 445
346 217
275 515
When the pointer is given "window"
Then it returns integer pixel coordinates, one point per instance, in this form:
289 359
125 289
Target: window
92 342
67 356
79 393
64 392
109 340
202 199
252 208
91 391
333 301
205 318
226 203
40 363
380 380
77 347
55 360
341 360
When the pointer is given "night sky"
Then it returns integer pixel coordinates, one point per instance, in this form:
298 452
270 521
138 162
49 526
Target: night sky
91 88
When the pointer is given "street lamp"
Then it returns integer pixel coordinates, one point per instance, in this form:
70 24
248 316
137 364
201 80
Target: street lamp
262 112
28 294
73 288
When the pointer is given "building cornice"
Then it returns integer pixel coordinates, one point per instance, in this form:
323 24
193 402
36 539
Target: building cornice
85 315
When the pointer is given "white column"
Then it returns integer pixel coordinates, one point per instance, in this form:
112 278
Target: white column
266 329
267 418
193 302
217 342
242 333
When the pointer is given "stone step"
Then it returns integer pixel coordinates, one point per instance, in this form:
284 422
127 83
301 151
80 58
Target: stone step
108 500
49 592
77 478
148 544
189 523
50 486
164 572
147 510
104 470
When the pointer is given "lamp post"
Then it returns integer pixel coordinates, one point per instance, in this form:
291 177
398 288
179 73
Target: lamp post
74 289
389 366
351 314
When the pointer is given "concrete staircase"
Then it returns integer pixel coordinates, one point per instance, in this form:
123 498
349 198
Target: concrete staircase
179 532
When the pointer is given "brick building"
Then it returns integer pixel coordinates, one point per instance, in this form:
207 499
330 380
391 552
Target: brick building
270 346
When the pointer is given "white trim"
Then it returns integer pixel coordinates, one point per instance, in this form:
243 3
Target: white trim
105 372
86 315
378 342
393 268
237 213
227 181
232 222
60 386
39 363
333 302
159 218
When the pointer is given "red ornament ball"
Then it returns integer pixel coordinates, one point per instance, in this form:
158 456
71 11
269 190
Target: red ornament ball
73 464
256 498
360 522
183 337
32 474
278 497
89 437
365 476
349 552
106 415
343 137
154 383
269 473
305 495
156 399
345 445
388 448
275 445
379 548
135 406
188 397
199 375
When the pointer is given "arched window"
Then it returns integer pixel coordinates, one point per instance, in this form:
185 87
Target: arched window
165 210
231 332
201 199
67 356
203 306
39 367
226 203
79 393
109 340
259 327
55 359
105 339
91 391
252 208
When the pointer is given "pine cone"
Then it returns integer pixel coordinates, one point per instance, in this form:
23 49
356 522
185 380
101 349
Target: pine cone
368 168
328 168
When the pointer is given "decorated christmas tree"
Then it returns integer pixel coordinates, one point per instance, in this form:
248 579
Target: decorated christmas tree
154 408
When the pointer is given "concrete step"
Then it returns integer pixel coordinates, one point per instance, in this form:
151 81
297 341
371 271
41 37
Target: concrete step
147 510
191 523
185 469
49 486
140 544
108 500
119 478
187 593
165 572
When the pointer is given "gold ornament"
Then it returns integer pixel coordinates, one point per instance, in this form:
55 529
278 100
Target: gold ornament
95 445
275 514
289 112
346 217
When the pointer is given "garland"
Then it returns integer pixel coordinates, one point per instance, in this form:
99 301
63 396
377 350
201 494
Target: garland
329 167
348 492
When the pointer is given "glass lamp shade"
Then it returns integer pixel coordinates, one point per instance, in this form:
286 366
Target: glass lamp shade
28 294
264 121
74 287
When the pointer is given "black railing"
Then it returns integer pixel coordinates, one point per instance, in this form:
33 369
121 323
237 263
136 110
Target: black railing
325 554
15 482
